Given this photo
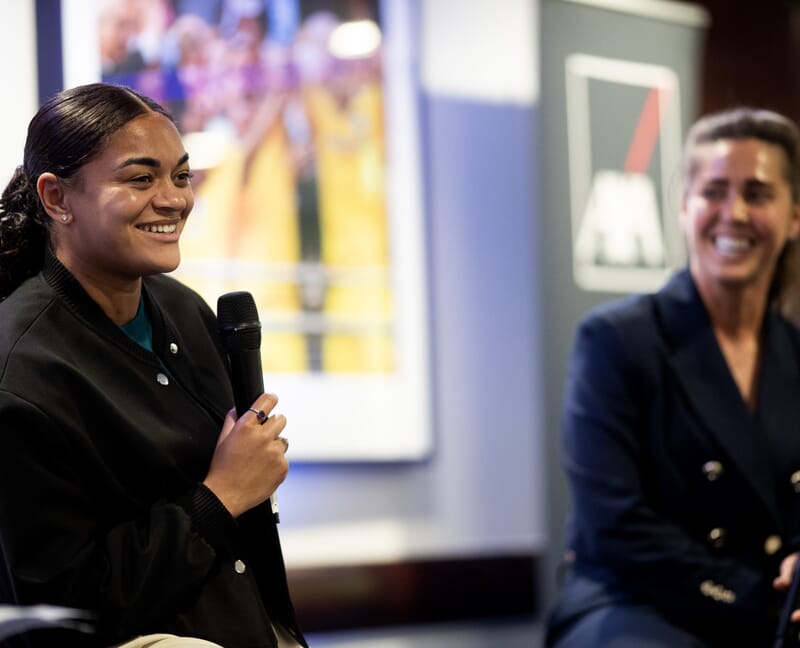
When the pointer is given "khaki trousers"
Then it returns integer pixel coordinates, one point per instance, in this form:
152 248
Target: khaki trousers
285 640
167 641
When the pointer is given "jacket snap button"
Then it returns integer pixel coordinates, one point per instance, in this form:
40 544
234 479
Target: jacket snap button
716 537
795 480
173 348
162 379
239 567
712 470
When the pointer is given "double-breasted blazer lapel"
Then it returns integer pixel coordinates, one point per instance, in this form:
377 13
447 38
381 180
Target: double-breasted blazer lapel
778 402
702 372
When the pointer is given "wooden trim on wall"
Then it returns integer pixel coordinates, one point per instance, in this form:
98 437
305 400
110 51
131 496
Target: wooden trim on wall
414 592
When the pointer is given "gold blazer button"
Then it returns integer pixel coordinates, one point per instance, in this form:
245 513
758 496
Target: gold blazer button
772 544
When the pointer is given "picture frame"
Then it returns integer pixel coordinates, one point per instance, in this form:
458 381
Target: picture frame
374 413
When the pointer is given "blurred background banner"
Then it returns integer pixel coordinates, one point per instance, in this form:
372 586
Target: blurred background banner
300 122
620 85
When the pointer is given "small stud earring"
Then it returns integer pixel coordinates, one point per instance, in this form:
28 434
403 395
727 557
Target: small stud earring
64 217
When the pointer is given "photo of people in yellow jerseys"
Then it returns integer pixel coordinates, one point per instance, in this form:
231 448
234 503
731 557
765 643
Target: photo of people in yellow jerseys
281 106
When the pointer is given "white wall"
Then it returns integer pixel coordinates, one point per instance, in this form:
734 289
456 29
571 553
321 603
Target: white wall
480 51
18 72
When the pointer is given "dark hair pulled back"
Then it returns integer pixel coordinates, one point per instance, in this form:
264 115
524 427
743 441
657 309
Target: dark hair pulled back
69 130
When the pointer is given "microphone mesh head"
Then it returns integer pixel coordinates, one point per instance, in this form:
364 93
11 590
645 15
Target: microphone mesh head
236 308
237 321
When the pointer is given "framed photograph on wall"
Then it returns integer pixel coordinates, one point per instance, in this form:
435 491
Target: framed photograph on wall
300 120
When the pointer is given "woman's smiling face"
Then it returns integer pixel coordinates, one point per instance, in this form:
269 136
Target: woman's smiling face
737 212
129 204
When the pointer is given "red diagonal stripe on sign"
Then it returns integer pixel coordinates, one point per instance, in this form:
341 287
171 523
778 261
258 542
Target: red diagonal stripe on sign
644 139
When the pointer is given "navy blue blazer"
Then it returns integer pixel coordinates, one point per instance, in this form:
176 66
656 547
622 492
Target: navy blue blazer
682 497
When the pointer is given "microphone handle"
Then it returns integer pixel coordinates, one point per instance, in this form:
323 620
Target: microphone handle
248 384
783 633
246 378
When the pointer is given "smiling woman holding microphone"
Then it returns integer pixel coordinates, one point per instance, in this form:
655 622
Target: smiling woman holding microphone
128 487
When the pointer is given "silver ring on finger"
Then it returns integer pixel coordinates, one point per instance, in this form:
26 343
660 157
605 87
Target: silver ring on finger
261 415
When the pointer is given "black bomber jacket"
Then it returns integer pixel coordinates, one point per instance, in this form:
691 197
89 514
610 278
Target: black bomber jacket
103 447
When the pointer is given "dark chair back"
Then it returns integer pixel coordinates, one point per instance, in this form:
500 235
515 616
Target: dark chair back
8 596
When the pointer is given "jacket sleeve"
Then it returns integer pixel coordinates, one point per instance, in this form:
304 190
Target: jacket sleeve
63 551
617 528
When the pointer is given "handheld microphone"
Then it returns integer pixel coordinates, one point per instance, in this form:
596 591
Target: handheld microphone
240 331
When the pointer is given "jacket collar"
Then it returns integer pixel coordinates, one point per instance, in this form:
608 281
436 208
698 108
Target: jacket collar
78 301
709 386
